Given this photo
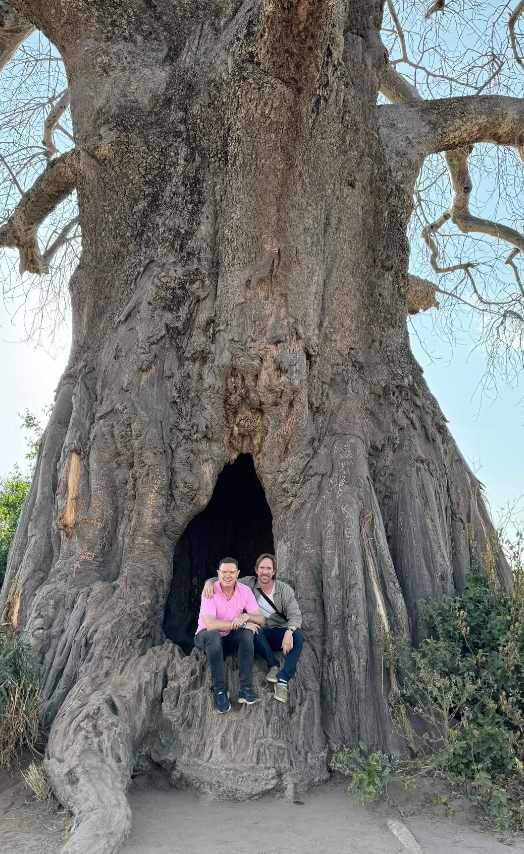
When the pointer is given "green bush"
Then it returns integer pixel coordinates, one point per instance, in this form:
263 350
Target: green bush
13 490
369 772
19 697
14 487
463 688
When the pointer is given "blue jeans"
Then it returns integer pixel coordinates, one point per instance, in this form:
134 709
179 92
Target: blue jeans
267 640
216 647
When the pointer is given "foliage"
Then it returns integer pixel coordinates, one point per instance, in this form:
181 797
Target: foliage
463 687
13 490
369 772
33 429
19 696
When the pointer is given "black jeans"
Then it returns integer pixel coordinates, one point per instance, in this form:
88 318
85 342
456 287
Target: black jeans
216 647
267 640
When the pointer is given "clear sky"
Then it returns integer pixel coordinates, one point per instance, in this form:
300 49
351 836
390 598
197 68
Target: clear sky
29 378
490 433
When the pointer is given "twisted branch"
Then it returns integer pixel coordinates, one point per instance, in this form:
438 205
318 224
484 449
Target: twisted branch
20 230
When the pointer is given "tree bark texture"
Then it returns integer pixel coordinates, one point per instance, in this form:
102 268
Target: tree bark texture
241 290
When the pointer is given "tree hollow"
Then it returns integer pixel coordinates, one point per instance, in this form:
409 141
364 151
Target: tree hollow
236 522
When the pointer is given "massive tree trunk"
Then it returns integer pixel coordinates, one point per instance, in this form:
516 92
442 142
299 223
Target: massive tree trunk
241 291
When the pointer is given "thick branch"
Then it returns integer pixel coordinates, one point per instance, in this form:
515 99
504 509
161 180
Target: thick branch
13 31
396 88
446 123
50 188
513 18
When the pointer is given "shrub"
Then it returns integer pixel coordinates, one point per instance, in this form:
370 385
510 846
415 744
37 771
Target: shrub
464 690
19 697
369 772
14 487
13 490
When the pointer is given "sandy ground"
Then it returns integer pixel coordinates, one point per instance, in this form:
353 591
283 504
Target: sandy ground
328 820
28 826
168 821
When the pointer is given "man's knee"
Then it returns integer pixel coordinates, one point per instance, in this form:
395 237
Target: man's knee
298 637
246 637
213 639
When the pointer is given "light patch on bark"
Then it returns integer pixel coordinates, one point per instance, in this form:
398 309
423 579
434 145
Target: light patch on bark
74 465
12 608
366 517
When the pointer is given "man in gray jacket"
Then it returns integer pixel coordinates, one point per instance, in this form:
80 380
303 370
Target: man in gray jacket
282 630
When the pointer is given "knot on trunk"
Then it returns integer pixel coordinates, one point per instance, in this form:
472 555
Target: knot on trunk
420 294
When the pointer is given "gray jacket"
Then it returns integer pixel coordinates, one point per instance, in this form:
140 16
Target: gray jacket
285 601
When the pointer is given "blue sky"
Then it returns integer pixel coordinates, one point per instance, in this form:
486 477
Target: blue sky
489 430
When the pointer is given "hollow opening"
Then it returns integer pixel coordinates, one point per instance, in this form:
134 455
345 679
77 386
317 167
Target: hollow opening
236 523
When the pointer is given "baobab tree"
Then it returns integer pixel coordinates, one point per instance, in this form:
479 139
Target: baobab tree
240 377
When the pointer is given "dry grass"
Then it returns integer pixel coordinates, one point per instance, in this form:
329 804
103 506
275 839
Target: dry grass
36 780
19 697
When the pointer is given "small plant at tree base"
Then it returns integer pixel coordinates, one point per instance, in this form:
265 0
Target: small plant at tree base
36 780
369 772
442 800
493 800
19 697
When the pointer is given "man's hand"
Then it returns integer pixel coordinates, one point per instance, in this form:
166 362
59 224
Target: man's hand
209 589
236 622
287 642
252 627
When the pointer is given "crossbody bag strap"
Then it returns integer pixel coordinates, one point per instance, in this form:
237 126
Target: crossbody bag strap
268 600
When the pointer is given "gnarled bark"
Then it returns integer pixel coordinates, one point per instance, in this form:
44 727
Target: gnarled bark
240 291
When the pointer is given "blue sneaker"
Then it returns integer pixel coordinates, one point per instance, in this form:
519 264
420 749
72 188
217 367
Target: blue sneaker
222 701
247 695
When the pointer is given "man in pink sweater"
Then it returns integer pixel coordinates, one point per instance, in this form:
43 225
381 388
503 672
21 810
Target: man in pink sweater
226 624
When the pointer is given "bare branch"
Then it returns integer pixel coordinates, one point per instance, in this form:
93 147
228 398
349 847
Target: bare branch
459 214
13 31
511 263
513 18
445 123
51 123
50 188
396 88
61 239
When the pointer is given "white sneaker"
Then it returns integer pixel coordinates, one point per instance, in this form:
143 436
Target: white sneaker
272 674
281 692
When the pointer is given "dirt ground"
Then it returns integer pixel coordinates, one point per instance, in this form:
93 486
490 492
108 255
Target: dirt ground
328 819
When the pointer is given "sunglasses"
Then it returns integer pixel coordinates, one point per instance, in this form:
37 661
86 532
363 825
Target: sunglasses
228 571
